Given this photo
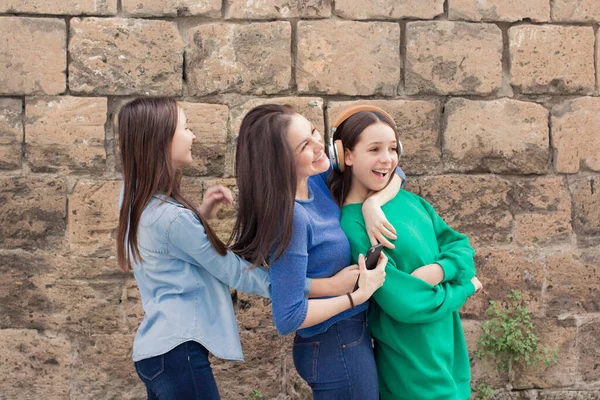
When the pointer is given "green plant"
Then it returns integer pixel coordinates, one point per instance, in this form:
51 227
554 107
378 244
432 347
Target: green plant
254 395
508 335
483 391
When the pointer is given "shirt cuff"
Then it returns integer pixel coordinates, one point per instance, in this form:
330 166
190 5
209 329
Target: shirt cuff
449 269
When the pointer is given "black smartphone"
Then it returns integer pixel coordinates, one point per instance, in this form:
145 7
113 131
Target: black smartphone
371 258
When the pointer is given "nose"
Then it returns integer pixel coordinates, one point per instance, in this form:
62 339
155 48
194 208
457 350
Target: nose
193 136
386 157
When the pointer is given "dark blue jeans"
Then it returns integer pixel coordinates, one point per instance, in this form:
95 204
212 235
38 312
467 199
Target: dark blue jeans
339 363
181 374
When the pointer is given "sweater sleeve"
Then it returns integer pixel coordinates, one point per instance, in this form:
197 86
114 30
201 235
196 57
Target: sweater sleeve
456 254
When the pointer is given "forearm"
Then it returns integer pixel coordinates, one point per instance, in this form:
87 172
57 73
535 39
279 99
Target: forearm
324 287
320 310
388 193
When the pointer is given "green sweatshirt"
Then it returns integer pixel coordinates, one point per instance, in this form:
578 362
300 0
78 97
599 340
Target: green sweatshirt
420 347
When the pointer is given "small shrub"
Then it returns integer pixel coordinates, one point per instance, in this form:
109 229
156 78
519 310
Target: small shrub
483 391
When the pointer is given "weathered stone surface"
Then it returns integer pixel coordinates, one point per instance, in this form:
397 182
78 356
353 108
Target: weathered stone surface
33 57
542 209
65 133
572 285
94 216
172 8
418 125
117 56
35 366
496 136
33 212
389 9
568 395
575 11
249 9
552 59
499 10
11 133
60 7
102 369
482 370
223 223
575 137
254 58
589 351
453 58
474 205
347 57
586 206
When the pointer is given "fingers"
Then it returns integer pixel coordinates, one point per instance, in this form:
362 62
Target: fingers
353 267
382 261
362 267
385 242
390 229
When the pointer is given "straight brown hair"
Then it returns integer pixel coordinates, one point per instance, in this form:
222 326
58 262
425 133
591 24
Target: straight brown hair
146 128
266 179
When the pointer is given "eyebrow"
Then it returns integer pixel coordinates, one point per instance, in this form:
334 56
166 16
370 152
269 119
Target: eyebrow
306 140
380 142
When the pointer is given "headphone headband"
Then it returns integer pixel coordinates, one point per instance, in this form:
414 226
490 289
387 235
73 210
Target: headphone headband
350 111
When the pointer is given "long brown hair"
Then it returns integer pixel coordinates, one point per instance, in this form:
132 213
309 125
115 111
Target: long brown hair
266 178
146 129
349 133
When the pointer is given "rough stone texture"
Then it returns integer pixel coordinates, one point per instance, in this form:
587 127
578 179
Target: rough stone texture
575 137
453 58
589 352
60 7
552 59
93 216
347 57
223 223
389 9
568 395
11 133
474 205
575 11
542 209
117 56
65 133
250 9
253 58
499 10
171 8
418 124
33 212
586 205
572 285
496 136
33 57
35 365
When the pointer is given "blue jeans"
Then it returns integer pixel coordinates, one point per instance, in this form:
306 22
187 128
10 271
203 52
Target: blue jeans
339 363
182 373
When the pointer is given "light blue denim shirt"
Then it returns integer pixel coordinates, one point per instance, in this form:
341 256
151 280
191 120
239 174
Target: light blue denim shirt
184 284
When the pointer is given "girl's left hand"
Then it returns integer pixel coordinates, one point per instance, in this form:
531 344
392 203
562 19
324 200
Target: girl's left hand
215 198
378 227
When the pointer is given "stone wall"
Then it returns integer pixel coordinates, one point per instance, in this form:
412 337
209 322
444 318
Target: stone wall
499 108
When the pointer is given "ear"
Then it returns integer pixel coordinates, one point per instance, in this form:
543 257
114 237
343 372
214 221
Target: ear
348 157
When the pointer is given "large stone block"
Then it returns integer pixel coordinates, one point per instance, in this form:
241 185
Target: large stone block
33 212
244 9
578 11
33 57
171 8
568 395
586 205
93 217
589 351
499 10
65 134
389 9
477 206
572 285
575 137
453 58
418 123
253 58
496 136
60 7
347 57
34 365
118 56
542 209
552 59
11 133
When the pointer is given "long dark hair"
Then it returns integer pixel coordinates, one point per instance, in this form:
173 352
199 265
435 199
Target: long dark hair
265 170
146 129
349 133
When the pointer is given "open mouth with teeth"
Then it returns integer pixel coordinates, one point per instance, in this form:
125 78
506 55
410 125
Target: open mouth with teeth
381 173
319 158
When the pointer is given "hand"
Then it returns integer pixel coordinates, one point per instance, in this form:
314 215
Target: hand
477 284
378 227
370 281
430 273
214 198
345 280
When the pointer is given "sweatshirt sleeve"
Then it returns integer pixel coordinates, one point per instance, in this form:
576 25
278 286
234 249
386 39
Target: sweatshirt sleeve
456 254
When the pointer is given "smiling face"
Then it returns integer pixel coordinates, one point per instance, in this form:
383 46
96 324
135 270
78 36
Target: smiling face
181 145
307 145
373 159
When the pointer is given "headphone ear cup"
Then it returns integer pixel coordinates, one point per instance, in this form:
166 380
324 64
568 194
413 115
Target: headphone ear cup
400 149
339 149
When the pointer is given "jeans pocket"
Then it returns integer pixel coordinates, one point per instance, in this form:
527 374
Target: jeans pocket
150 368
306 356
351 332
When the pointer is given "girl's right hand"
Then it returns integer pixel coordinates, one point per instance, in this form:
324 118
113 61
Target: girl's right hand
477 284
370 281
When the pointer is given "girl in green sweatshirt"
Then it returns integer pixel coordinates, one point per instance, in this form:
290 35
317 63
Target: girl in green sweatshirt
420 347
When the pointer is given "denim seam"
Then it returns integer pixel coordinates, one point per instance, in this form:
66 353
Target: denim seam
315 361
169 230
345 364
357 341
187 352
162 369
